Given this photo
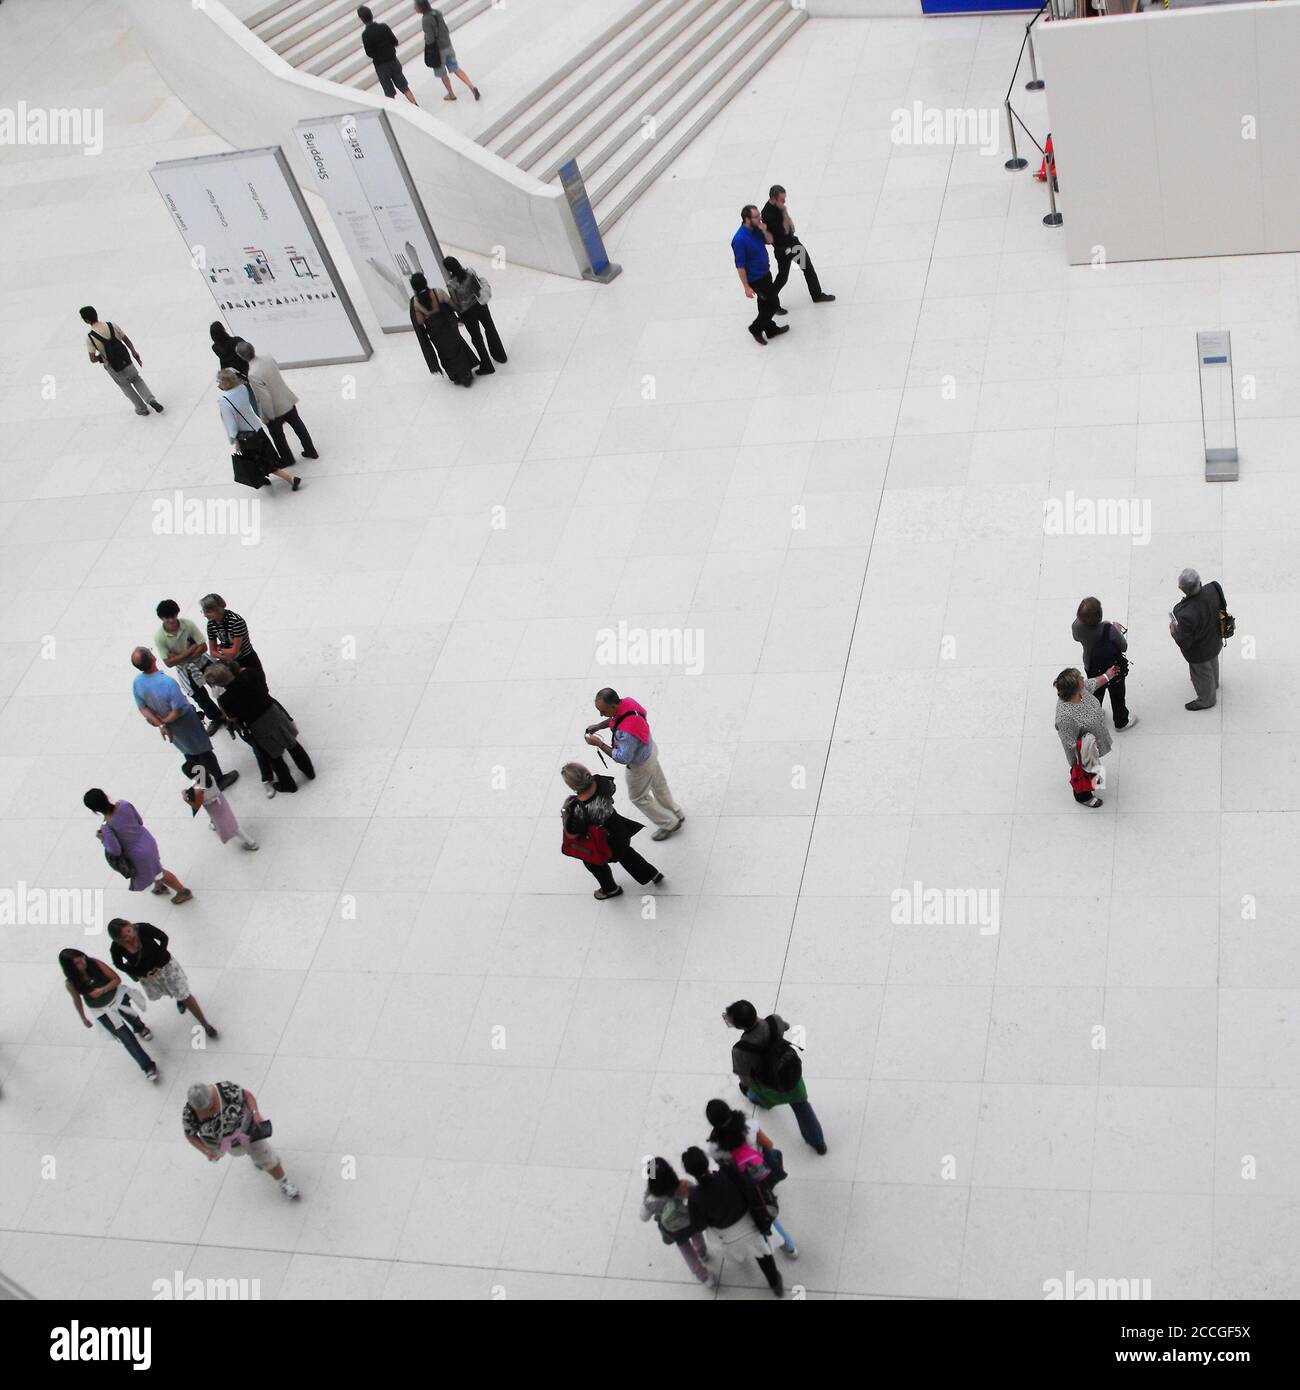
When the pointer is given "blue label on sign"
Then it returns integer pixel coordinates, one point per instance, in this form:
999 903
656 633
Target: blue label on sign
575 190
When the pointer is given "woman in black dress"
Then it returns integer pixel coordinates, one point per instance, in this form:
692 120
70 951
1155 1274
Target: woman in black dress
262 722
438 330
591 809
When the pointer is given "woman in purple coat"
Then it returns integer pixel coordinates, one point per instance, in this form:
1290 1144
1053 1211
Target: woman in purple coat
123 835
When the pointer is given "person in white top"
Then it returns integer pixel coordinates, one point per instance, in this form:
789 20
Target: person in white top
243 424
276 403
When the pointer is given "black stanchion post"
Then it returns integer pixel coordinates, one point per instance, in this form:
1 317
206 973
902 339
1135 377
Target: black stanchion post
1015 162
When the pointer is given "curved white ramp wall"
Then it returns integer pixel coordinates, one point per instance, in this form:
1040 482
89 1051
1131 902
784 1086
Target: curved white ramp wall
251 97
1175 132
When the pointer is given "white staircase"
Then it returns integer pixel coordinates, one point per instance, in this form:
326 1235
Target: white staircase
630 102
625 105
323 37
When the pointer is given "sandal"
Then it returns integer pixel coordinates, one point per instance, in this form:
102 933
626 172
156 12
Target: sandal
600 895
160 887
182 897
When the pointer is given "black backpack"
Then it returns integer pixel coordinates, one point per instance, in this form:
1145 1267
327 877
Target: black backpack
114 349
1106 653
778 1067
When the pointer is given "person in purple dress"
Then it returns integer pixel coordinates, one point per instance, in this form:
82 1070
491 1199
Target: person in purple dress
123 834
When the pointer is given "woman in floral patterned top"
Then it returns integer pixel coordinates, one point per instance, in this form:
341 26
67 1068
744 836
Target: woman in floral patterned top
1079 712
217 1119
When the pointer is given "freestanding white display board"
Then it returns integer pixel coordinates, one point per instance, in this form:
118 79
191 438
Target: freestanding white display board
256 245
358 169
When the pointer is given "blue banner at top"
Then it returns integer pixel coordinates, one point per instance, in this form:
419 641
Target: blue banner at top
975 6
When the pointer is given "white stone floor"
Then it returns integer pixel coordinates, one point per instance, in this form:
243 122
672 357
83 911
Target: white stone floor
980 1141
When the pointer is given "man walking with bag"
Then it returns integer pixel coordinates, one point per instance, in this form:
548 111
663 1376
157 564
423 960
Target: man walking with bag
1194 623
106 343
769 1068
276 403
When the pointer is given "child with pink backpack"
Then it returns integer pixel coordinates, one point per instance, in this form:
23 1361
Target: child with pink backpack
737 1140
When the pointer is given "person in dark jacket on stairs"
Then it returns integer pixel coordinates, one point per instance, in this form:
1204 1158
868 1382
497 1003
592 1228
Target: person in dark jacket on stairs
380 44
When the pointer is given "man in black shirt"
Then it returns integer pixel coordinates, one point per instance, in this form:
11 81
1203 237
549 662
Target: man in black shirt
1194 625
380 44
789 249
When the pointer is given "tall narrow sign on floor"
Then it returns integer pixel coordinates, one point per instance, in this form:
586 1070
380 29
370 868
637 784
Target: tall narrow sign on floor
575 190
357 167
251 237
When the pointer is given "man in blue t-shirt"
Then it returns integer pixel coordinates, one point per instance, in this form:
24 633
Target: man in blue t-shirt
749 246
162 703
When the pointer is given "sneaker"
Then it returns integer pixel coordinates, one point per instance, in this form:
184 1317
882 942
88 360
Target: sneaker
182 897
780 310
1132 720
791 1250
289 1190
777 329
251 845
269 789
152 1075
157 405
664 832
160 888
227 779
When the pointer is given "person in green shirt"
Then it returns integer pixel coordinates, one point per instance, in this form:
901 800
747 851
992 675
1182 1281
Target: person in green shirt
184 652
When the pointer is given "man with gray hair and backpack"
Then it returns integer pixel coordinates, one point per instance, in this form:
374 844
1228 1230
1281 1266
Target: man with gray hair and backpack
106 343
769 1067
1199 623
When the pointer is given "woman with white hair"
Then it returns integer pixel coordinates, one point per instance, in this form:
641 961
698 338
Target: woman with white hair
255 459
223 1118
595 832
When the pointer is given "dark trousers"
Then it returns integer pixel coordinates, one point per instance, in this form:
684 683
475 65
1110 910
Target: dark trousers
478 319
283 777
275 428
640 869
767 1263
208 760
205 702
787 256
1118 708
126 1037
767 303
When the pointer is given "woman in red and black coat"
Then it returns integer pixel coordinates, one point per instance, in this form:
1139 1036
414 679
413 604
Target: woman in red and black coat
591 808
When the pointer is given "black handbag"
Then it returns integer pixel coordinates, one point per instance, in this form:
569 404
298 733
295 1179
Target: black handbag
432 56
120 864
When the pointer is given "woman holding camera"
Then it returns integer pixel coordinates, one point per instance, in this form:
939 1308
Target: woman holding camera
1079 712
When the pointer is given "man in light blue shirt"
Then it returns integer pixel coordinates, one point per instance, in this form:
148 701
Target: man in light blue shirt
162 703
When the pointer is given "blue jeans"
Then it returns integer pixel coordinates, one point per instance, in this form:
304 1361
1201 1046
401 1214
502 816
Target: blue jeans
783 1233
805 1116
126 1037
